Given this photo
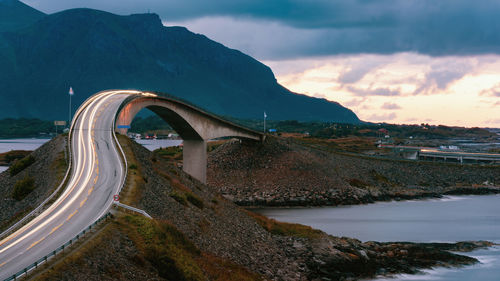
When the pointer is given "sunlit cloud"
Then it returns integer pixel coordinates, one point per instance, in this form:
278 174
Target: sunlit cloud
390 106
494 91
383 117
372 92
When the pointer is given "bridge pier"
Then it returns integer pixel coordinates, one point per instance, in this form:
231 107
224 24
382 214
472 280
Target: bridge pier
195 159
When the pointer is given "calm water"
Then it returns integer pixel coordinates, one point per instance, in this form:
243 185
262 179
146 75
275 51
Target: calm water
32 144
155 144
450 219
20 144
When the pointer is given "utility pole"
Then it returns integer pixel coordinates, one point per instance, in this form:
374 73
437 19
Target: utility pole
71 93
265 116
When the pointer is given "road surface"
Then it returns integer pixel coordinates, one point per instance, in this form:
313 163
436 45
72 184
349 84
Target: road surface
97 174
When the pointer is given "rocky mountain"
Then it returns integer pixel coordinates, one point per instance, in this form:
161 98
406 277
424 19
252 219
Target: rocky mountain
92 50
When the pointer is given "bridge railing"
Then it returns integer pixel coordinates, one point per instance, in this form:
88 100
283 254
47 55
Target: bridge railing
58 250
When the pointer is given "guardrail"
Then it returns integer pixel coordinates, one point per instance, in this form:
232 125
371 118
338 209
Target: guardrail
139 211
56 251
37 210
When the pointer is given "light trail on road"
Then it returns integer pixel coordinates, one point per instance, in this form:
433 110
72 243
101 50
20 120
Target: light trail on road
97 174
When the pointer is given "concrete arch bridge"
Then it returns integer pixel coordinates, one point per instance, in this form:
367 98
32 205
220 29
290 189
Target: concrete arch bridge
194 125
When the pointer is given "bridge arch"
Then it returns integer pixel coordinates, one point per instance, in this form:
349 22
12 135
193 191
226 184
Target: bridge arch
193 125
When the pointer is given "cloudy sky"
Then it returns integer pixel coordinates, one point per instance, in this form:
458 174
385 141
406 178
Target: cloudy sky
398 61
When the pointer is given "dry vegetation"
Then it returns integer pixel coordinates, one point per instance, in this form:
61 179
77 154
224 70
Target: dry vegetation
286 229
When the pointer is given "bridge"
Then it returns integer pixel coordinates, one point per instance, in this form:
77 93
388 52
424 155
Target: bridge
193 125
434 154
459 156
97 170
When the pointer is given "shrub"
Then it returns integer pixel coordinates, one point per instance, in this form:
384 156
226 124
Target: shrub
357 183
15 155
195 200
20 165
133 167
23 187
179 198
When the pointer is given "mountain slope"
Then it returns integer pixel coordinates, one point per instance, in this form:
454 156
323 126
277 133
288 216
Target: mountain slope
92 50
15 14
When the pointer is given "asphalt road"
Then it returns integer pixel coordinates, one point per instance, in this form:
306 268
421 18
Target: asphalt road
97 175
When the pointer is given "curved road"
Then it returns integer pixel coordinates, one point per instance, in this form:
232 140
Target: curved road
97 174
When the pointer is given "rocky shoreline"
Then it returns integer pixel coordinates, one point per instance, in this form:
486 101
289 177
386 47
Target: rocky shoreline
353 198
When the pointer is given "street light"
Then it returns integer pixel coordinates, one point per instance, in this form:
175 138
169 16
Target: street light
71 93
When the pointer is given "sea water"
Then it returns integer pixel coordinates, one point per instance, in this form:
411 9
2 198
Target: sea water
450 219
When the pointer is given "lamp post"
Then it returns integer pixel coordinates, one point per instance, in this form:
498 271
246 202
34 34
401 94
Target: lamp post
265 116
71 93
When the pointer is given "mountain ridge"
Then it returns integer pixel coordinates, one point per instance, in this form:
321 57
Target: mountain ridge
15 14
93 50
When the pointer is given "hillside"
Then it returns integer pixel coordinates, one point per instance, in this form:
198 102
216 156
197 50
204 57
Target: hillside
15 15
92 50
290 172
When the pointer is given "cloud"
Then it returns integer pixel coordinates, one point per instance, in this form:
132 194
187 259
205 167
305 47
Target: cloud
491 92
372 92
382 117
354 102
358 70
442 74
390 106
450 27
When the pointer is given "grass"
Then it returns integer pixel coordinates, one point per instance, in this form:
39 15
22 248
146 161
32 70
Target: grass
60 165
13 155
132 190
179 197
20 165
379 177
219 269
172 153
195 200
212 145
285 229
166 248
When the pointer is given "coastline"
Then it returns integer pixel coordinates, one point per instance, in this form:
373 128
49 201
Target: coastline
253 203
